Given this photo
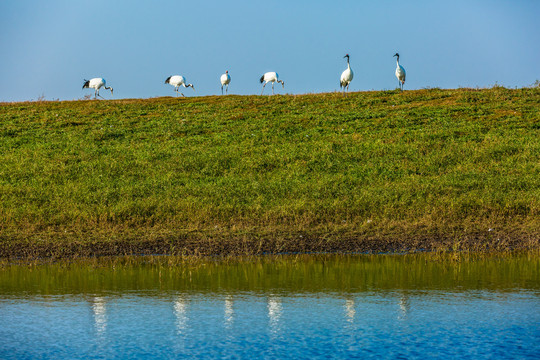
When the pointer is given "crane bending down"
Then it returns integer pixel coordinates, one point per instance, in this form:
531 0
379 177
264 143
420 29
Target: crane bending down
346 76
272 77
177 81
225 80
96 84
400 73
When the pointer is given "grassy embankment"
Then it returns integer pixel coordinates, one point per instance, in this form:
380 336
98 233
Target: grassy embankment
427 169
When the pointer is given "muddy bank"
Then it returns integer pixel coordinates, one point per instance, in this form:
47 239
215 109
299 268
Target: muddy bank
249 244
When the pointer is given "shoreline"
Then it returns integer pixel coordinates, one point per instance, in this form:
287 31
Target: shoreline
200 245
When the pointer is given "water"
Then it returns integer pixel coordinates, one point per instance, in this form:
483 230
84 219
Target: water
384 306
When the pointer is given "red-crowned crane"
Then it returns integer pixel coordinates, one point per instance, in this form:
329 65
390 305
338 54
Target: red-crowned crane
346 76
272 77
96 84
225 80
400 73
177 81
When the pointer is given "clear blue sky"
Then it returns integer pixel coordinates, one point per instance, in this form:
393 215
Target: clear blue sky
49 47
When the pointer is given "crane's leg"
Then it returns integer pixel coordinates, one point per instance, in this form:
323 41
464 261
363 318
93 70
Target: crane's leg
263 87
221 89
227 90
273 88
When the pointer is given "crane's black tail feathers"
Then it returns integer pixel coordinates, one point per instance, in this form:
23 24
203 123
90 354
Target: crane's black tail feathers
86 83
167 81
262 79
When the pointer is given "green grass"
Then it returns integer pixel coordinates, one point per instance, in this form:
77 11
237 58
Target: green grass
282 173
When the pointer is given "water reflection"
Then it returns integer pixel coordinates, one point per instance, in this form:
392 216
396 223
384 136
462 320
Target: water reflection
275 310
180 312
404 306
347 307
100 314
350 311
339 274
229 312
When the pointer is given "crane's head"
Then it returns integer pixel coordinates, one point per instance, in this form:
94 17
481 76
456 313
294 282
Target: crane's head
111 91
346 56
86 83
396 54
226 72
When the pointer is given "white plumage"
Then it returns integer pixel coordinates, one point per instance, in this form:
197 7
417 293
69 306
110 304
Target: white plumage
96 84
346 76
225 80
272 77
400 73
177 81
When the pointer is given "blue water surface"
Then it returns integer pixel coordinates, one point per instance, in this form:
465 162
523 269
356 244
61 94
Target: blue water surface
273 324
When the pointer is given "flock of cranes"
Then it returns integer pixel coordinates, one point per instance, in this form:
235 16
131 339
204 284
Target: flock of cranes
271 76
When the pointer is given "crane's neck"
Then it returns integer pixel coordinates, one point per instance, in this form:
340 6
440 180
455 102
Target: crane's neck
397 61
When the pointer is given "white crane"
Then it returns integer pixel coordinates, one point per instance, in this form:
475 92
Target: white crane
346 76
225 80
400 73
272 77
96 84
177 81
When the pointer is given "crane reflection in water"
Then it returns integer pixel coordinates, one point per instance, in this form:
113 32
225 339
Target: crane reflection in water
275 311
99 311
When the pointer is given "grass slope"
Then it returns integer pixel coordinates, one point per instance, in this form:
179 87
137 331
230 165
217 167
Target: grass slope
250 174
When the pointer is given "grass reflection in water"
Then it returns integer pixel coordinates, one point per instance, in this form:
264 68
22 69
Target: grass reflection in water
290 274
